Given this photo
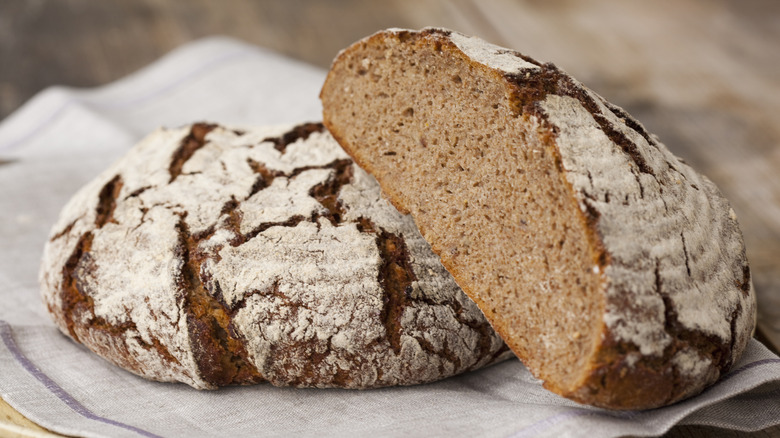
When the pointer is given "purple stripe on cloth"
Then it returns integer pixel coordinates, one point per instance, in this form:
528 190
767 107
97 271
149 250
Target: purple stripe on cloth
561 417
7 336
136 100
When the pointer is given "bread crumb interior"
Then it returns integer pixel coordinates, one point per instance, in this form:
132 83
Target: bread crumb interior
485 187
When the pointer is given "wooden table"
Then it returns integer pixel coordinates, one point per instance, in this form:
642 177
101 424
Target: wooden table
704 75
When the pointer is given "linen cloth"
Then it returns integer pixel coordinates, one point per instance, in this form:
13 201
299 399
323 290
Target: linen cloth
64 137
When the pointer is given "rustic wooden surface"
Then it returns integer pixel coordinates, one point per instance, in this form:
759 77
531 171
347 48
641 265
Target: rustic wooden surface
701 74
15 425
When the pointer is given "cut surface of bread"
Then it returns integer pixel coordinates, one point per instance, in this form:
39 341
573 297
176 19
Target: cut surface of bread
213 256
610 267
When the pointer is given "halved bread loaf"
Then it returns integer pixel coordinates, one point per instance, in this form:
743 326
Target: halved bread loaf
610 267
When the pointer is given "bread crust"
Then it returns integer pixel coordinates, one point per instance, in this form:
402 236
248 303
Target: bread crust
212 256
677 298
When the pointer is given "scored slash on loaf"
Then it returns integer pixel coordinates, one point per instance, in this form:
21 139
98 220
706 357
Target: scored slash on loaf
613 270
212 256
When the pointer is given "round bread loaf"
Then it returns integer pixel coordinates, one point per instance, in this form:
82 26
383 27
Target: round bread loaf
610 267
212 257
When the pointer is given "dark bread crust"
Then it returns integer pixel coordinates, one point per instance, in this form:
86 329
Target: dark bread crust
621 372
611 381
194 325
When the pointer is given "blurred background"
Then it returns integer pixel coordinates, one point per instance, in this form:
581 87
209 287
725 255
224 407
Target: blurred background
704 75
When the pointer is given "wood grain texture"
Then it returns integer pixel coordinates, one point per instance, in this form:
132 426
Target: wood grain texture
15 425
700 74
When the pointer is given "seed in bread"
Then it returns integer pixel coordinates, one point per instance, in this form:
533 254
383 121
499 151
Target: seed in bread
615 271
213 257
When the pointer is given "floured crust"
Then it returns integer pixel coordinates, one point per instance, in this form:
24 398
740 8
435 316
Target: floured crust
212 256
678 303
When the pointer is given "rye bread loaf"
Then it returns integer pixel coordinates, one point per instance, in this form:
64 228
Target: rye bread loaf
212 257
611 268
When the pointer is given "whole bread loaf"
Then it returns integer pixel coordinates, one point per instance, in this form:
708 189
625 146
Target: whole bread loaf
615 271
213 256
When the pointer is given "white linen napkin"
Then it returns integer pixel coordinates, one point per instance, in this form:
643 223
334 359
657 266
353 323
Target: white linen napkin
62 138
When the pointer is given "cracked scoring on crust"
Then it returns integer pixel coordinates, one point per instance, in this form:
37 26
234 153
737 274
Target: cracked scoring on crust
679 306
654 300
213 257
